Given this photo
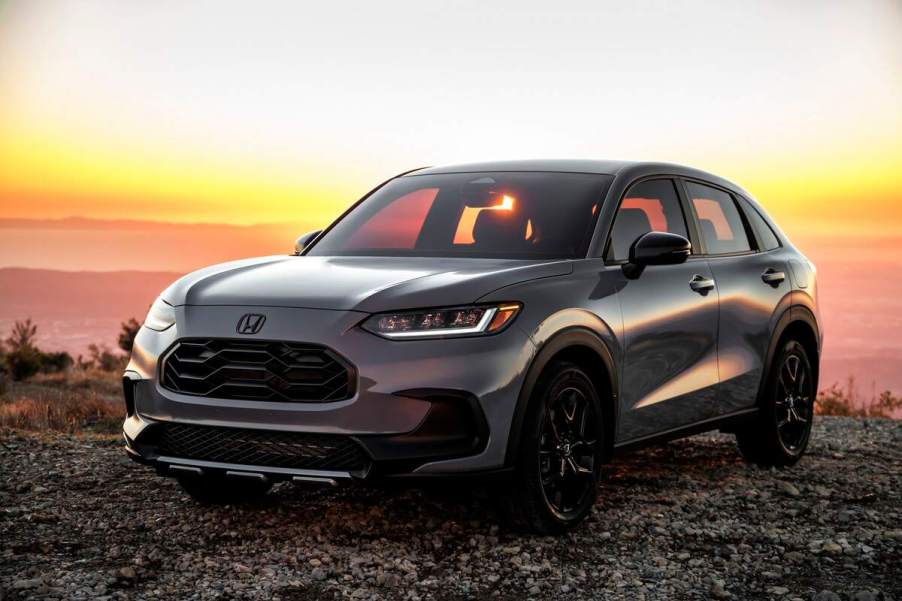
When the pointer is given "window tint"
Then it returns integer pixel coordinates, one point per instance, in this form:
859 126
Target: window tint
398 225
648 206
766 237
719 220
516 215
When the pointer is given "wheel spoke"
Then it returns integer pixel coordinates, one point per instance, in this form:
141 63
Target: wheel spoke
583 443
792 367
577 468
795 416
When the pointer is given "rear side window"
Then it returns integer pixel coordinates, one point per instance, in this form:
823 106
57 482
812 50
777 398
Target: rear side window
719 220
767 239
648 206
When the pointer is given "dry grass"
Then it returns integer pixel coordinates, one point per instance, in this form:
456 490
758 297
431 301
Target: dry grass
67 402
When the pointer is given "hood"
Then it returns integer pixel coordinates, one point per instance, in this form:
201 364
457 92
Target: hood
368 284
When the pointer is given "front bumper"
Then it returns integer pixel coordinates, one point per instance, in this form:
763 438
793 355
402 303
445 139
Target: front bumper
425 407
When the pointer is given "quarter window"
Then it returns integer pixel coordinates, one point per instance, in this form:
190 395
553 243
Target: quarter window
648 206
721 224
767 239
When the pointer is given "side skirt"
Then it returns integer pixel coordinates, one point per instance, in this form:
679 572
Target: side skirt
721 422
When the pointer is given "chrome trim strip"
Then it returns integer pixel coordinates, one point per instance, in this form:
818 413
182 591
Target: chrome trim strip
317 479
186 468
251 475
173 462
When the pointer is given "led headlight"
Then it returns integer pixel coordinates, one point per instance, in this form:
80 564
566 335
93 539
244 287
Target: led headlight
160 316
437 323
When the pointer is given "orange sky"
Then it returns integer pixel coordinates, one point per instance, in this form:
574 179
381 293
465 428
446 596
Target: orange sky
116 111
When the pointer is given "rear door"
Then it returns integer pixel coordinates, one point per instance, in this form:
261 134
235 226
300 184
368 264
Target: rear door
669 363
752 281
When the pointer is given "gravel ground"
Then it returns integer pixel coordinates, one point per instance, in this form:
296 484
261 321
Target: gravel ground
687 520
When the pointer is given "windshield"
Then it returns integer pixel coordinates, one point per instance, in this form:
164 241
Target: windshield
508 215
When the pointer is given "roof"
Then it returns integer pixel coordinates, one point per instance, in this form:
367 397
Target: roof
560 165
629 169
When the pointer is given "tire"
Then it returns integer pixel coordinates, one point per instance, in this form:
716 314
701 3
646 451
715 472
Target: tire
560 454
214 490
780 433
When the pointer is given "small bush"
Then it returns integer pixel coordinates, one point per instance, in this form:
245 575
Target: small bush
55 362
127 335
837 400
23 363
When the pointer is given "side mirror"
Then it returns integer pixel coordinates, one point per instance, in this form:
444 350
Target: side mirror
657 248
304 240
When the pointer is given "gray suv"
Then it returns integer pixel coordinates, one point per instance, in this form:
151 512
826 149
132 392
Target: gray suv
514 321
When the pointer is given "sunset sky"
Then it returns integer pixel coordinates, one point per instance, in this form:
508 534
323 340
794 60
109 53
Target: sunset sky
124 124
287 112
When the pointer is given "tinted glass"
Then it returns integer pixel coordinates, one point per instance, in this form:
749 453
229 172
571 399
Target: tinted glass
647 206
500 215
767 239
719 220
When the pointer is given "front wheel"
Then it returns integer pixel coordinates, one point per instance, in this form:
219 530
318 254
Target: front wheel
560 453
780 434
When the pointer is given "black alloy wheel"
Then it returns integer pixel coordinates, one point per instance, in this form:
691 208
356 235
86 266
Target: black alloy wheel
559 456
779 434
567 450
794 403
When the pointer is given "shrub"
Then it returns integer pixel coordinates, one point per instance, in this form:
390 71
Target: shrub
22 336
23 362
127 335
103 359
55 362
837 400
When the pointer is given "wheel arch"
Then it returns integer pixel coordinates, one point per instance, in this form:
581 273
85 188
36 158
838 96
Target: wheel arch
798 323
585 348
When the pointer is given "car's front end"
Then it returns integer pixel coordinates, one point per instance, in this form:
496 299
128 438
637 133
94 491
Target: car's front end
313 395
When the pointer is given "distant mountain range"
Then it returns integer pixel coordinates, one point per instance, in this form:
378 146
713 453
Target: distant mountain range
79 243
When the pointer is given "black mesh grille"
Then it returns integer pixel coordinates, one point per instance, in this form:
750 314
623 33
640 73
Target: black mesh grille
257 370
262 448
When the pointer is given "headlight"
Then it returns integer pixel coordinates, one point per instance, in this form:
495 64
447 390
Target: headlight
160 316
436 323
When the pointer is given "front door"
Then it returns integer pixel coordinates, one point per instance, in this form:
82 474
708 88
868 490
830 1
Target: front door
670 312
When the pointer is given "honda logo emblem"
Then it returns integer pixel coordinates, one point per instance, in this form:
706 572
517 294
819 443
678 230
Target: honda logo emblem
250 323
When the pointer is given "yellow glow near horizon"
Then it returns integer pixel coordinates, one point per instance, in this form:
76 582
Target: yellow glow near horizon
116 110
41 176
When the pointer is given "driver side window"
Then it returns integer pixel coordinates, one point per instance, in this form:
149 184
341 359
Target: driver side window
652 205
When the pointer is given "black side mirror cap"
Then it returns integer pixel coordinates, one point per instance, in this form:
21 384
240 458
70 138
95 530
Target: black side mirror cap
657 248
304 241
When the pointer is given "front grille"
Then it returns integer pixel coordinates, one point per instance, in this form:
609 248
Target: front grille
257 370
264 448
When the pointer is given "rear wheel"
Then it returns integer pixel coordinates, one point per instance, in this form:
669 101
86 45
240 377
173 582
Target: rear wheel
216 490
560 453
780 434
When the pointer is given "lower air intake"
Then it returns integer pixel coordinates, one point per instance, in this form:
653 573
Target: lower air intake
264 448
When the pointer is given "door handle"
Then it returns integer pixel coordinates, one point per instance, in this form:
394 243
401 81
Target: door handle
701 284
773 277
